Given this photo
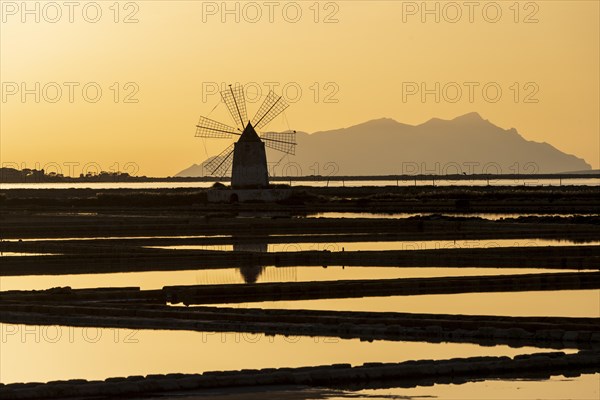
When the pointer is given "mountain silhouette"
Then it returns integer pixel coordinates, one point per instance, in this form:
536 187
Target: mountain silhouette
467 144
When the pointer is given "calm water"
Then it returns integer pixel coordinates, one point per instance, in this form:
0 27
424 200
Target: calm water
564 303
441 182
60 352
107 185
392 245
332 246
488 216
158 279
101 238
16 254
449 182
584 387
66 239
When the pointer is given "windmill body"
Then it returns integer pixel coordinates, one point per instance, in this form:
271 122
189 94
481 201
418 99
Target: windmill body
249 170
248 153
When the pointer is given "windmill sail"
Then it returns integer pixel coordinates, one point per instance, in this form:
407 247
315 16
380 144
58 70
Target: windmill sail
219 165
270 108
233 97
281 141
207 128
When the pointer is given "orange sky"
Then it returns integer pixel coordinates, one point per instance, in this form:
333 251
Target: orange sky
351 60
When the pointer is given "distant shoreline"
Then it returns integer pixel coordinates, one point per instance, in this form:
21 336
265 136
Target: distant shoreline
310 178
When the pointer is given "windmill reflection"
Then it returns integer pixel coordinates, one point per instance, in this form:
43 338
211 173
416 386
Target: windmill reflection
270 273
251 273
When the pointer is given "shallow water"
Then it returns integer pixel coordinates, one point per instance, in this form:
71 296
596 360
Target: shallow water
488 216
584 387
17 254
557 387
106 185
381 246
562 303
158 279
452 182
67 239
59 352
333 244
333 183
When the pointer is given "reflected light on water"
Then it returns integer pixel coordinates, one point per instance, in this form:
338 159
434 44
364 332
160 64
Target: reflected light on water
562 303
158 279
59 352
584 387
405 245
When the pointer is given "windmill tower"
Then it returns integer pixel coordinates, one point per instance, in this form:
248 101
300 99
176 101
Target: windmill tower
247 154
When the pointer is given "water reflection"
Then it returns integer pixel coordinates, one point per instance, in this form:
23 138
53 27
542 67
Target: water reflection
17 254
149 280
60 352
390 245
250 272
96 238
561 303
452 182
586 386
584 181
488 216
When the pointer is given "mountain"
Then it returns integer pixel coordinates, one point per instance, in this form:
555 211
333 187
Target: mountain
585 172
466 144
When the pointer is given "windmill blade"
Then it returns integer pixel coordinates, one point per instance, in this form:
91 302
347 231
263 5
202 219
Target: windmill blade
220 164
281 141
233 97
208 128
270 108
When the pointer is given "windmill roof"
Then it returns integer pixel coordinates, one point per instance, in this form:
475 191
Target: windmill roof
249 134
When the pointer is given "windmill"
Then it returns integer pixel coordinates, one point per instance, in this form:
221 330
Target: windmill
247 154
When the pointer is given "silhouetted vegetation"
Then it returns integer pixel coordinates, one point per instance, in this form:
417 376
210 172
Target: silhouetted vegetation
302 197
218 185
11 175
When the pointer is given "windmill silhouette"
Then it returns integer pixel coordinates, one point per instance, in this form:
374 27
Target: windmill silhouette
247 154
